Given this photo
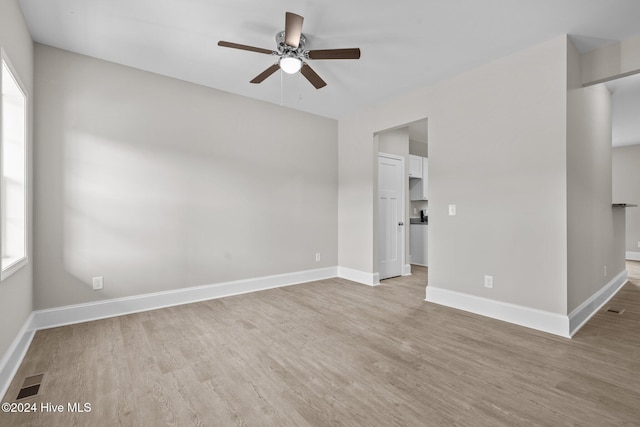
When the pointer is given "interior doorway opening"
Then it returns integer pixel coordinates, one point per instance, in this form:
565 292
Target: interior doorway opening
625 138
410 143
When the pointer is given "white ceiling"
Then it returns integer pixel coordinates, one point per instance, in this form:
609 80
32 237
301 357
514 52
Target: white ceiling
405 43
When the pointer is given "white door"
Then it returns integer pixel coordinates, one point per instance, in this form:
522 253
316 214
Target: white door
390 215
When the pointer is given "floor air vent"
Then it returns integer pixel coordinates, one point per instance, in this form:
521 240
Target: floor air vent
615 310
30 386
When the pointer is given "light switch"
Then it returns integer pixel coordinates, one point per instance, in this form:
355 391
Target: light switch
452 210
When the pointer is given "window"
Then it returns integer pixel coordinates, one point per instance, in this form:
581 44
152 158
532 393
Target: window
13 188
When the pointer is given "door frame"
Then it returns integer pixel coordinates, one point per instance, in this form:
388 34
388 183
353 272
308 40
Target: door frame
403 201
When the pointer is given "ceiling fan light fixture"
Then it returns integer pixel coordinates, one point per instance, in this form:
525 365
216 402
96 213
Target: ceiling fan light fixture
290 64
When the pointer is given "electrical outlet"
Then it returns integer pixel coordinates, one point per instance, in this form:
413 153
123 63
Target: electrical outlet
639 244
98 283
488 281
318 257
452 210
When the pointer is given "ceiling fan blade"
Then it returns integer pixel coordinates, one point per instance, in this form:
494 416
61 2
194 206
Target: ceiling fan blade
312 76
292 29
335 54
244 47
266 73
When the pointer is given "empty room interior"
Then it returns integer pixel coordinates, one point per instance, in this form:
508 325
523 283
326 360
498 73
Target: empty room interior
303 213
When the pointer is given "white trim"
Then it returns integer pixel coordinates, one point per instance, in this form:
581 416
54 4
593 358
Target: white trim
406 270
71 314
370 279
13 267
632 256
584 312
12 358
541 320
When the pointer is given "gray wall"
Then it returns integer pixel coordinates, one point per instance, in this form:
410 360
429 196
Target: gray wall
16 291
593 243
497 149
158 184
626 189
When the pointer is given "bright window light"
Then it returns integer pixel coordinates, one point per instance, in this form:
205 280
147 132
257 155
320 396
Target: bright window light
13 141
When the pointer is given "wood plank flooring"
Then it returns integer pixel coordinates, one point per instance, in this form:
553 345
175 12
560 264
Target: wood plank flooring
335 353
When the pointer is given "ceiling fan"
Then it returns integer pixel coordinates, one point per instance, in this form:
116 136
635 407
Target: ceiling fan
290 49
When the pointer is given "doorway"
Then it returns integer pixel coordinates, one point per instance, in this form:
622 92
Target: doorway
625 138
407 142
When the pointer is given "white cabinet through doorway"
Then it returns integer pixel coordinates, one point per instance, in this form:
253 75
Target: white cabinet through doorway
415 166
419 188
418 244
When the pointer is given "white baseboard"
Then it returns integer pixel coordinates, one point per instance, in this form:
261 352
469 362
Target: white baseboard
584 312
406 270
370 279
12 359
541 320
633 256
60 316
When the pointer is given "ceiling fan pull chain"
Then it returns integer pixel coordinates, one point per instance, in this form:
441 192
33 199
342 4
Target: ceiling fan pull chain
299 88
281 90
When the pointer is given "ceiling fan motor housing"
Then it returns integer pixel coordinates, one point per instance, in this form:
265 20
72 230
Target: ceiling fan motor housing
290 51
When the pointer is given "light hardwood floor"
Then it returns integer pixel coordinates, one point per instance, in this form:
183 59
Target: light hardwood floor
334 353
